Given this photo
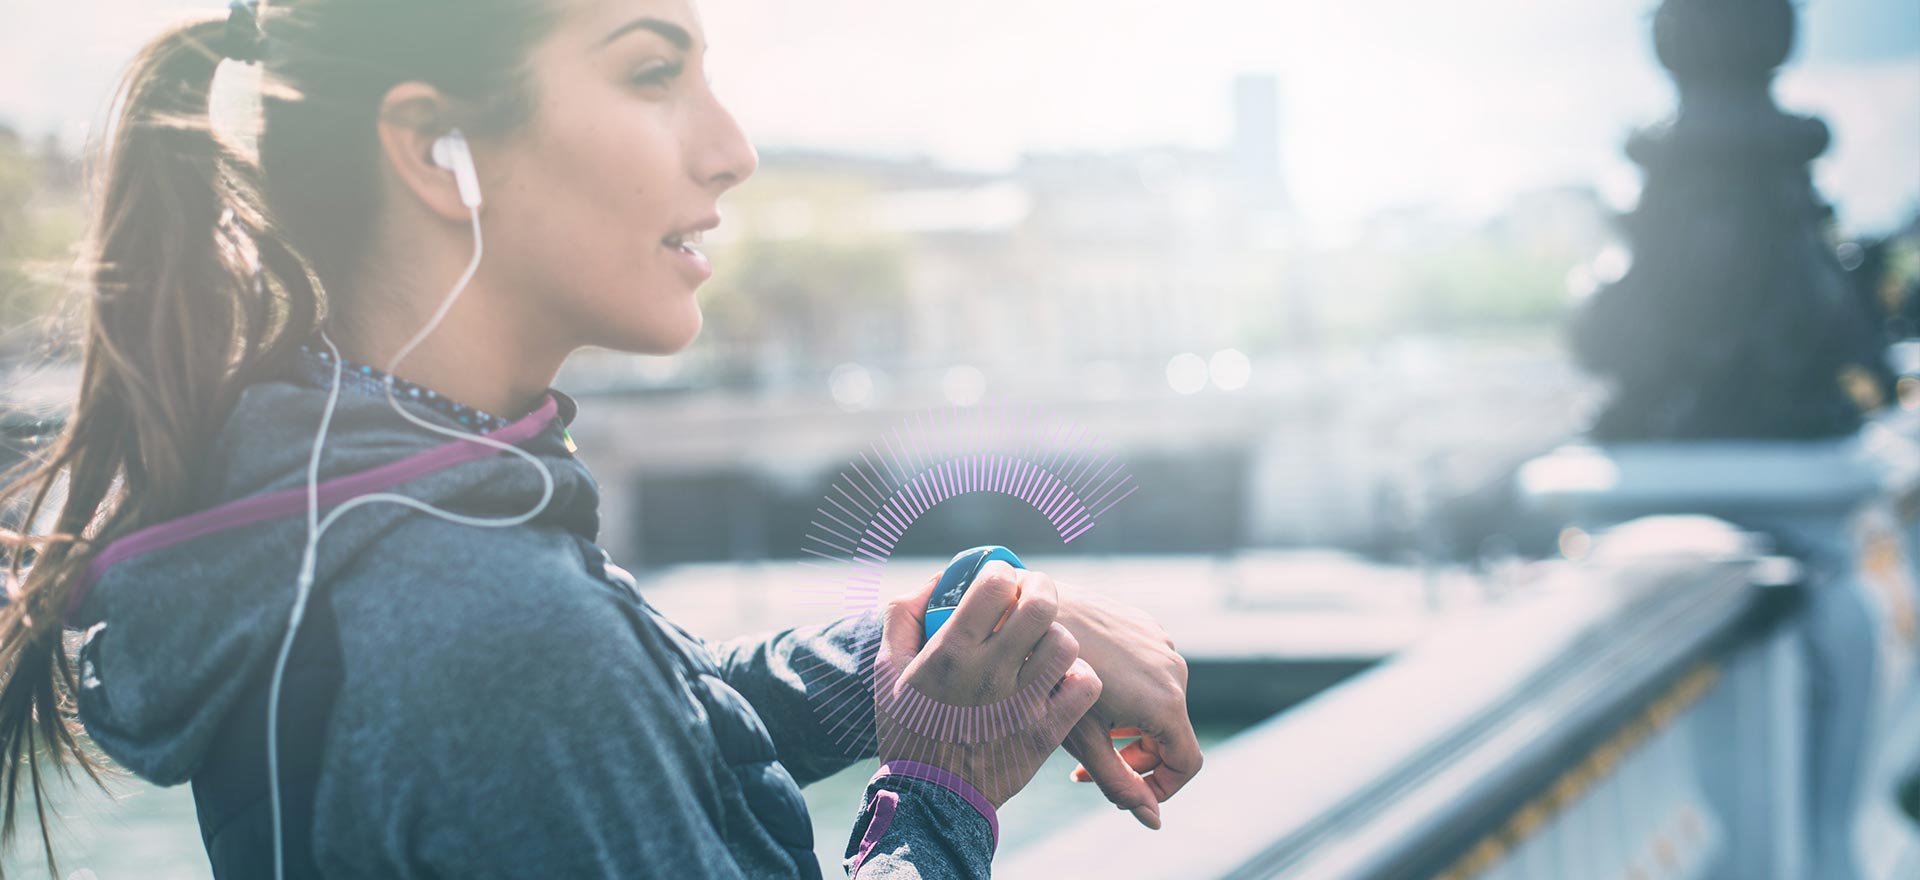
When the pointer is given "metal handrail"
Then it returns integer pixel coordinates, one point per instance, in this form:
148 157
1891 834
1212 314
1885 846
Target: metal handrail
1413 768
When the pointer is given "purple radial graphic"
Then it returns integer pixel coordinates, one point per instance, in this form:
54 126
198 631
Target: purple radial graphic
1012 449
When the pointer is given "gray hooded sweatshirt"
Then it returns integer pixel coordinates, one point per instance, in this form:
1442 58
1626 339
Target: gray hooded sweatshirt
470 702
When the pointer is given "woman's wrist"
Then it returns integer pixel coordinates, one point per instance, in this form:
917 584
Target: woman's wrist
949 780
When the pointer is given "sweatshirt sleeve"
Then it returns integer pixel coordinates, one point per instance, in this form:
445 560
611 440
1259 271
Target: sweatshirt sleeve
812 686
922 823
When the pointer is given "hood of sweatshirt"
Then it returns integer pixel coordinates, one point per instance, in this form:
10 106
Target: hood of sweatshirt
181 617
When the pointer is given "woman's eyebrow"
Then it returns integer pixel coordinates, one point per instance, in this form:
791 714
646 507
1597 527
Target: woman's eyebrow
674 33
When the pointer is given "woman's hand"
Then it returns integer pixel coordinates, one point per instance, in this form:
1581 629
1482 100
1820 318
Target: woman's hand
985 703
1144 694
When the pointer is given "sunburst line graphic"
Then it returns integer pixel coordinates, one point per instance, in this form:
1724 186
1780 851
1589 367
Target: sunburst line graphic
1051 465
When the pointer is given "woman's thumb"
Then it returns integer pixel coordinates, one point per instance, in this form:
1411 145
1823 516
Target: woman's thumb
905 620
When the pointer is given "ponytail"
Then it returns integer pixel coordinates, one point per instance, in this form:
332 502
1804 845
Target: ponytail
192 295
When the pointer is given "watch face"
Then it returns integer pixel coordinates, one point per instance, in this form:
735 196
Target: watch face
961 571
959 576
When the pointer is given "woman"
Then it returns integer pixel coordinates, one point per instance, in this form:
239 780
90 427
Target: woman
473 691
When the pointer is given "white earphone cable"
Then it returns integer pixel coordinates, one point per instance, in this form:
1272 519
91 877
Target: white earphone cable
317 527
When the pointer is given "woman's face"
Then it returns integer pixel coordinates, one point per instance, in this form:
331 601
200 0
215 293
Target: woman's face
626 152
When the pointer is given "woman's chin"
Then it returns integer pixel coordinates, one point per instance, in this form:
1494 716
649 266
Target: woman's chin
666 337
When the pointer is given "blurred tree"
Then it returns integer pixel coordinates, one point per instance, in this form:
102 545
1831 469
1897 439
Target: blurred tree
1484 285
1465 283
815 303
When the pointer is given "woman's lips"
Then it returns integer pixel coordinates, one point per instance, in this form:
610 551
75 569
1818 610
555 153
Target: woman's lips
692 263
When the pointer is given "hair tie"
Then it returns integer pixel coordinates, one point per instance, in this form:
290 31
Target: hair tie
244 42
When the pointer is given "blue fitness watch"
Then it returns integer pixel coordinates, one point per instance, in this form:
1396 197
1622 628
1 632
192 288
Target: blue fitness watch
958 577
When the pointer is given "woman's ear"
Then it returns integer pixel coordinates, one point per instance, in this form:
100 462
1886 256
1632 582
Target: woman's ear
412 116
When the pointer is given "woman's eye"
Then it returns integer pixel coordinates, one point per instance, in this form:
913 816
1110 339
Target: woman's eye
657 74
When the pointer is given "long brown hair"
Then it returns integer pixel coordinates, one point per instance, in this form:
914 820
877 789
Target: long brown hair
196 289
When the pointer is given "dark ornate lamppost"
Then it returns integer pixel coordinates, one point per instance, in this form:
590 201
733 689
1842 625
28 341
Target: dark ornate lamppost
1735 320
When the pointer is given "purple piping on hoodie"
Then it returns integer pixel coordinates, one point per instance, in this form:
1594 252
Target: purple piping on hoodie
260 508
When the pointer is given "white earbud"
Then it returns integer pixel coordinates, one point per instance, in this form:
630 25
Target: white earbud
450 152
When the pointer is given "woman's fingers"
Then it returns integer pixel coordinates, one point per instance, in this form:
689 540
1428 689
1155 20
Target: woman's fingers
1166 767
1179 753
1141 755
968 665
992 593
1050 659
1036 604
1119 783
904 622
1071 697
1138 758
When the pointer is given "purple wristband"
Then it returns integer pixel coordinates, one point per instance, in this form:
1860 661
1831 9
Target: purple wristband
950 781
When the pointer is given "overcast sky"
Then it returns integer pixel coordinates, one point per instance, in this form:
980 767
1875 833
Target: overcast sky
1457 103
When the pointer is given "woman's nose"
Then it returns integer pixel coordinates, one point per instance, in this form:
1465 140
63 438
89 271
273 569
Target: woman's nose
722 157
